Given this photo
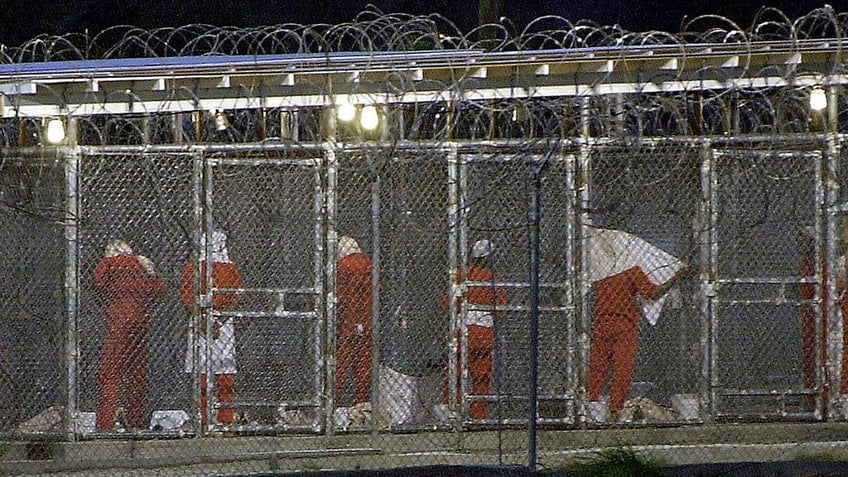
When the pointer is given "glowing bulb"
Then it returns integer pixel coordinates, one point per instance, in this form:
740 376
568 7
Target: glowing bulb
346 112
369 119
818 99
221 121
55 131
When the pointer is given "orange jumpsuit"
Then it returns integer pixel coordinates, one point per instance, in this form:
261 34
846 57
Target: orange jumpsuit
224 275
130 290
808 328
614 340
353 349
481 338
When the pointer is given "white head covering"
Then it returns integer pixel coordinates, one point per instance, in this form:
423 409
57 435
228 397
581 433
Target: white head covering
147 264
347 246
481 248
117 247
219 247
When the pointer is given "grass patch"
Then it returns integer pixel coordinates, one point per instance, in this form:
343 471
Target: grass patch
822 457
616 462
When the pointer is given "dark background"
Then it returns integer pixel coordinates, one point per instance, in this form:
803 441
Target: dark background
21 20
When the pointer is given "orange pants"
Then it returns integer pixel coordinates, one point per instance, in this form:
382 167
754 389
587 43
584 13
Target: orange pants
809 363
481 341
353 359
124 357
224 384
613 346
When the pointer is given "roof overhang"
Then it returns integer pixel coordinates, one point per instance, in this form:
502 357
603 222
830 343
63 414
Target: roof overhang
183 84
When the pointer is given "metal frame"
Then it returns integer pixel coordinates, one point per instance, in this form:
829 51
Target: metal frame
713 281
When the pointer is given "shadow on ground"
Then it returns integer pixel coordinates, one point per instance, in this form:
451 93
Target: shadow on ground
736 469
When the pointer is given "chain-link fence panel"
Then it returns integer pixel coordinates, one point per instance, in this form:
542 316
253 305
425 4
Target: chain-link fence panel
393 202
268 208
642 206
497 207
135 220
33 363
767 326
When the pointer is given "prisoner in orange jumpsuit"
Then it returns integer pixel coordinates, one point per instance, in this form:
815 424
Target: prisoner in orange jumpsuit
225 274
489 302
353 349
614 340
808 320
129 284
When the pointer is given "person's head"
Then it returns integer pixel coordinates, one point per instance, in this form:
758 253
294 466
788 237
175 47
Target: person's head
347 246
481 250
117 247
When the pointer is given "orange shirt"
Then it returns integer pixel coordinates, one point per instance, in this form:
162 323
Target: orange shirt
353 290
616 294
482 295
128 286
224 275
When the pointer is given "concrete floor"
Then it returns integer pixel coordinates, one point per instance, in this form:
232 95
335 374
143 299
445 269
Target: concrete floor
689 444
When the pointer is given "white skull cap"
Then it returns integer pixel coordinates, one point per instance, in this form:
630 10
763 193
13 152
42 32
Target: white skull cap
117 247
347 246
482 248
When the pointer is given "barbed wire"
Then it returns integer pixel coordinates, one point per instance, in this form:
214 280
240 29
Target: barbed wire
375 31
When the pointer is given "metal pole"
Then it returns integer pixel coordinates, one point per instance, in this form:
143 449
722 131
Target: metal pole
535 219
326 342
375 289
453 227
72 159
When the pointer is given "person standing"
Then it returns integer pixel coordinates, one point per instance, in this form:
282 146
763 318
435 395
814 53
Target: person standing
614 338
225 275
354 298
486 305
130 286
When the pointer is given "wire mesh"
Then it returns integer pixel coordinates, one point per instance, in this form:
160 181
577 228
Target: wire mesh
431 349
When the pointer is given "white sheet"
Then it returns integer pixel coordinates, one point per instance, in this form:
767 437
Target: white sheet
613 251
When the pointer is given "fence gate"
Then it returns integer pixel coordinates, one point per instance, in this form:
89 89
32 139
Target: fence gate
270 208
765 284
496 203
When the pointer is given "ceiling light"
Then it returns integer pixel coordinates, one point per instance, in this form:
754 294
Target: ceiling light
818 99
369 119
55 131
346 112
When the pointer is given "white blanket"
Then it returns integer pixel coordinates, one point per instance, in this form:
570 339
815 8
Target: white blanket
614 251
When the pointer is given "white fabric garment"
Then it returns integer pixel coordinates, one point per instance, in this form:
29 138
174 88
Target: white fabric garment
223 351
614 251
408 399
223 348
479 318
219 247
147 264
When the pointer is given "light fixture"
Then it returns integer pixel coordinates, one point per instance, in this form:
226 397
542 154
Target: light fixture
346 112
520 112
369 118
818 99
55 131
221 121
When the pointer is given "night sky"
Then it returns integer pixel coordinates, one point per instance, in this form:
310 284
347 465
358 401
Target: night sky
25 19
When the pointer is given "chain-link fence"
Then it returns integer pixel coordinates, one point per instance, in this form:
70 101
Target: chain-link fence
439 277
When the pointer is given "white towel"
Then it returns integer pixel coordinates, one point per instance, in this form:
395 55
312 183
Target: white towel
614 251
